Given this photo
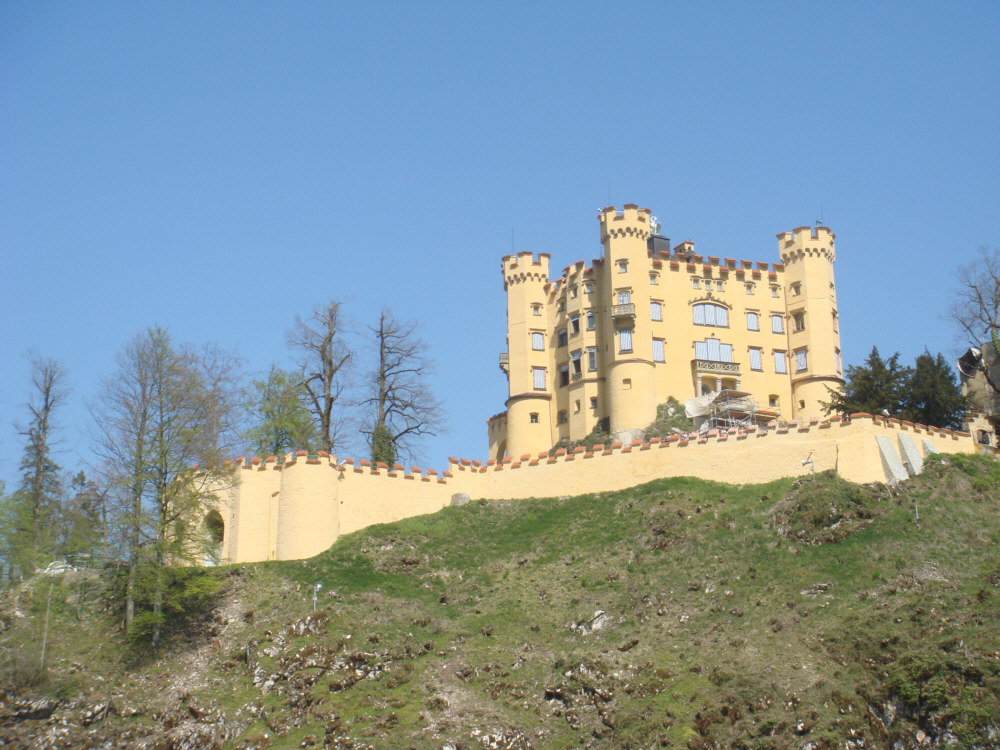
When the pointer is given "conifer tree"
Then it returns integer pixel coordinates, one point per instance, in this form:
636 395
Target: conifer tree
876 386
933 396
31 513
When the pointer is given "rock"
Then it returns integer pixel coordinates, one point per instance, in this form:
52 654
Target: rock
599 621
460 498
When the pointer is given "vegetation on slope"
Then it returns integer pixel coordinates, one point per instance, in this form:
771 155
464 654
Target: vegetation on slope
679 613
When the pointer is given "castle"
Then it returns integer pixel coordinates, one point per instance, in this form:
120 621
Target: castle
581 350
601 346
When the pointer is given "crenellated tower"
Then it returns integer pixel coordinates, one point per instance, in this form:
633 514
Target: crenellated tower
814 359
529 367
626 329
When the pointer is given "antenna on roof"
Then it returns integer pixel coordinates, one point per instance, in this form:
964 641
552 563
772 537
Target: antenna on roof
819 221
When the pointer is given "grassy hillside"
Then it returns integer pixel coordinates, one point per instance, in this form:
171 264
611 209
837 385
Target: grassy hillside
681 613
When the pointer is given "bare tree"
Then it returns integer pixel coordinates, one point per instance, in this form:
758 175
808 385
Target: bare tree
975 309
322 357
162 419
404 409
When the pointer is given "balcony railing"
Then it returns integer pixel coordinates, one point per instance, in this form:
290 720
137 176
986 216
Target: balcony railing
505 361
623 311
722 368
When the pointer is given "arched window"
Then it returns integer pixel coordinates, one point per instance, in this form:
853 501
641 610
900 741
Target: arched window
708 314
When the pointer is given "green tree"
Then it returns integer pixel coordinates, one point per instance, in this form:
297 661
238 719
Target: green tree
282 421
83 519
877 385
933 396
32 512
163 419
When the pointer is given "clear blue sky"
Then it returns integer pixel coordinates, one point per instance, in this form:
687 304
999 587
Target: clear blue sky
218 168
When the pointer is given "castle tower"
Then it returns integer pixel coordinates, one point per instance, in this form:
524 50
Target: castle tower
626 330
814 361
530 372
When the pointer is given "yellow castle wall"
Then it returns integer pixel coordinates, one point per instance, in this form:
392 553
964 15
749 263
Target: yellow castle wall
297 509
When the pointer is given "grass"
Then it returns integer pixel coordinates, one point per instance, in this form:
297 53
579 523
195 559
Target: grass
756 616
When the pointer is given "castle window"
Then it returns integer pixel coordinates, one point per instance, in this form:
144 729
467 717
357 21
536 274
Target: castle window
753 321
562 337
538 377
654 279
563 418
624 297
536 309
588 287
796 289
576 406
627 384
658 350
772 401
590 320
574 324
713 350
780 365
984 437
840 364
592 358
625 340
718 285
777 324
756 362
774 291
538 341
707 314
593 402
656 311
696 283
563 376
799 319
749 288
577 363
622 266
534 417
801 362
836 323
572 291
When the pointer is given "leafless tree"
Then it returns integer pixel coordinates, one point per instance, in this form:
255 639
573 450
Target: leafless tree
975 308
404 409
322 357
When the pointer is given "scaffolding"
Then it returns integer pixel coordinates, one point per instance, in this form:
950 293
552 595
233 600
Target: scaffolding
735 410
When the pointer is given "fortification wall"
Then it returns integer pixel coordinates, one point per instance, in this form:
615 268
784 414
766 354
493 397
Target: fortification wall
297 507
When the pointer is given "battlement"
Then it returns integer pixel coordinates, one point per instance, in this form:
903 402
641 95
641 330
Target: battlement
525 266
804 242
631 221
297 505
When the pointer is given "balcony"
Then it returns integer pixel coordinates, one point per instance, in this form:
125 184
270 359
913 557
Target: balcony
623 311
505 362
719 368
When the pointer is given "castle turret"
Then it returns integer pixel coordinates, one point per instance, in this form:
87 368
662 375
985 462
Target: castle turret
626 331
814 360
528 364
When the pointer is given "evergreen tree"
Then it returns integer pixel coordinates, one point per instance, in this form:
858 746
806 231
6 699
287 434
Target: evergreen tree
83 520
282 419
31 514
877 385
933 396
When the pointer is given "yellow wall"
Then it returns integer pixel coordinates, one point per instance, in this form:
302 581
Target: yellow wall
297 508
